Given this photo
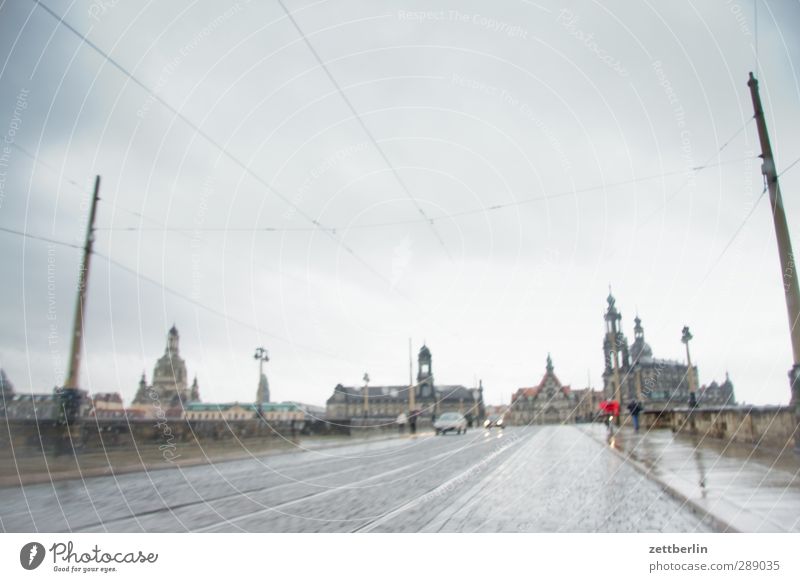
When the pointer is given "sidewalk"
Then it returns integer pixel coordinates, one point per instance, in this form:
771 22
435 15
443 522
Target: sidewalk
741 488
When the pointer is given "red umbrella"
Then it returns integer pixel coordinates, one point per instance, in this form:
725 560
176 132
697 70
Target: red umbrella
610 407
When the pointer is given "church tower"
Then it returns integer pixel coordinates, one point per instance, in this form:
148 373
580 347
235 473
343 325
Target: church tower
170 381
194 394
173 339
141 394
615 351
425 388
6 387
640 349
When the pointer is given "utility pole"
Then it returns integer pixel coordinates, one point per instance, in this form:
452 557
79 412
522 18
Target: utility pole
788 267
70 401
83 279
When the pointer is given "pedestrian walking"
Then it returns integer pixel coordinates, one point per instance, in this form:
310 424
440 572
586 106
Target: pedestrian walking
402 419
635 408
610 410
412 421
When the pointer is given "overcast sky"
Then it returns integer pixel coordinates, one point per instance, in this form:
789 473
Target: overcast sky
471 105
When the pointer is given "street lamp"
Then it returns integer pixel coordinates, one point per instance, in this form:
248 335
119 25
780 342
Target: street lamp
366 394
262 356
686 337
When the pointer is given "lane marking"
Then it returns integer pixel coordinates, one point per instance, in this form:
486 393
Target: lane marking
313 496
245 492
440 489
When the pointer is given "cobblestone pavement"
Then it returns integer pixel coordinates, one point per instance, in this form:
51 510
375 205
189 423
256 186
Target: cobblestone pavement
539 479
560 480
745 488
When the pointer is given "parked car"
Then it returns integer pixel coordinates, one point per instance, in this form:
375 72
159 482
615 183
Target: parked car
494 420
450 421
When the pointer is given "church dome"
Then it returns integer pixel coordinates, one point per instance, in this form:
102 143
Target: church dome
642 351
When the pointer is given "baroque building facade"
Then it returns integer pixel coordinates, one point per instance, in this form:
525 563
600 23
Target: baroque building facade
549 402
388 402
657 383
716 394
170 386
268 411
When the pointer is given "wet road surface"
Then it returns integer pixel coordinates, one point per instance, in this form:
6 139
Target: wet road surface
537 479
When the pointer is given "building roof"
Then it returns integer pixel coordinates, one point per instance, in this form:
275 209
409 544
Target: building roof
223 406
526 393
446 392
23 397
534 391
107 397
311 408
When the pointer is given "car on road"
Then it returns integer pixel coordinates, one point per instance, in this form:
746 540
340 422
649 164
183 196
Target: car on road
496 420
450 421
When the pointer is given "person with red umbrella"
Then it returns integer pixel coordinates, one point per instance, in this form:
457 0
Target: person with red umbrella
610 410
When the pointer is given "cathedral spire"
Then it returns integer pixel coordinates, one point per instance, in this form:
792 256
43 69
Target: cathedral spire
173 339
194 392
638 330
549 364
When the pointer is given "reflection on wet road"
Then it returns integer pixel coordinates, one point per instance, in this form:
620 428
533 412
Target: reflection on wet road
549 478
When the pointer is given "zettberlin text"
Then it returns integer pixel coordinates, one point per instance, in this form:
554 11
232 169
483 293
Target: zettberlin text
674 549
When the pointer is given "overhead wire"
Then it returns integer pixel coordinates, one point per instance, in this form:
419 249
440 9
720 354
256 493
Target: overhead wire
205 307
787 168
81 188
449 216
332 232
364 127
706 164
732 239
40 238
163 286
166 288
316 225
216 144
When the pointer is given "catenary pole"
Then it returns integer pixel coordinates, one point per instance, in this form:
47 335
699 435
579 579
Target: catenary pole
788 268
